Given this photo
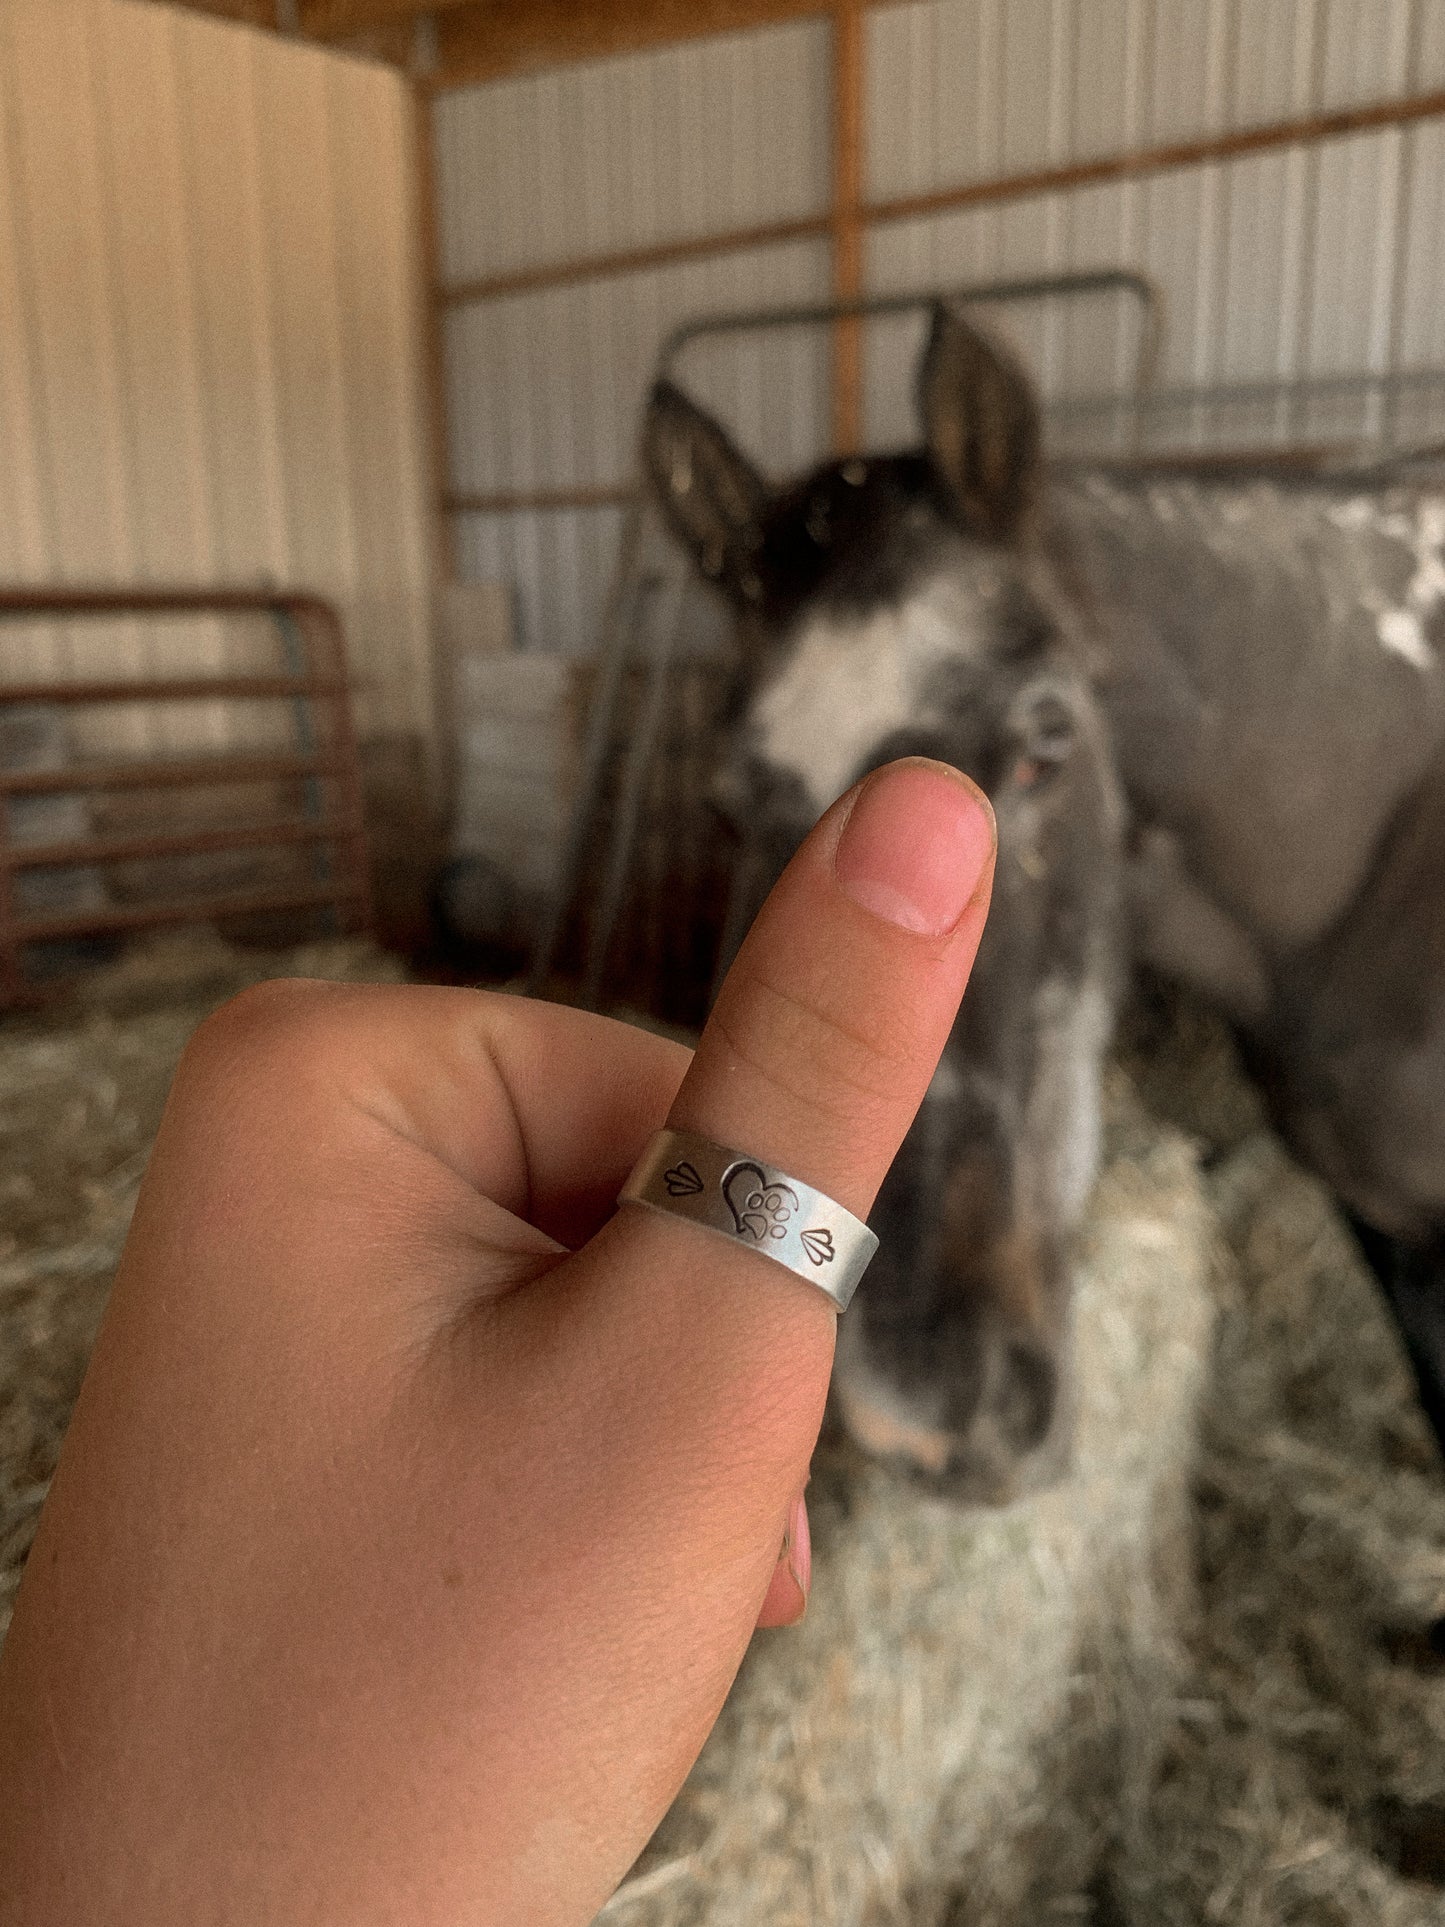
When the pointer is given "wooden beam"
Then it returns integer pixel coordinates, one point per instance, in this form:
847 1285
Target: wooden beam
339 19
1130 165
597 267
848 108
482 39
252 13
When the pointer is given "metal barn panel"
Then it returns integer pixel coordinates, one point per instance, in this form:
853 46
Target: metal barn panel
1190 68
1421 335
559 564
1311 264
1275 61
1074 348
1366 50
963 90
620 153
1110 84
546 390
1262 284
1430 44
208 343
1257 337
1354 242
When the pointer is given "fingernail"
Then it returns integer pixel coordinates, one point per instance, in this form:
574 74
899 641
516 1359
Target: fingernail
798 1546
916 843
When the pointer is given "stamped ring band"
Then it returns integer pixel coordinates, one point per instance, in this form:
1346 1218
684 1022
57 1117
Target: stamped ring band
754 1204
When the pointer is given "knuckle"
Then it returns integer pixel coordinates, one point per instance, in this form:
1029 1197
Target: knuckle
283 1030
811 1051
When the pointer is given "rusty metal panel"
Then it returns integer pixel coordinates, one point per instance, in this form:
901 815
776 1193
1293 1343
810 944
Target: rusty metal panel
209 363
611 154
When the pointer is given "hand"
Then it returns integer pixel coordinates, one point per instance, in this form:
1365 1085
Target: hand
419 1506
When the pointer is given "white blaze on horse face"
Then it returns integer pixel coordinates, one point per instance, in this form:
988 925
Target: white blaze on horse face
850 683
1059 1153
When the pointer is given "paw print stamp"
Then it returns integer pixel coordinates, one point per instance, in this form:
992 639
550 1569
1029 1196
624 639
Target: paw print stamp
760 1209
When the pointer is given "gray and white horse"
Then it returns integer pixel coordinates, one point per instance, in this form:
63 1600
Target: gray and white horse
1211 717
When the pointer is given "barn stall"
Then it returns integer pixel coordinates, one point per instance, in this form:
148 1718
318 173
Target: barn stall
357 316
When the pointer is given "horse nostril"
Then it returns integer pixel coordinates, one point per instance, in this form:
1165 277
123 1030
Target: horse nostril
1026 1396
883 1429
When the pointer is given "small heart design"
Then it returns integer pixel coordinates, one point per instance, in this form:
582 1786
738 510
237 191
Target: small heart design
819 1246
682 1181
760 1208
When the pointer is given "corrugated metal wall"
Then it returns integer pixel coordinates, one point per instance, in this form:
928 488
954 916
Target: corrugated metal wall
1318 269
1301 266
543 389
208 341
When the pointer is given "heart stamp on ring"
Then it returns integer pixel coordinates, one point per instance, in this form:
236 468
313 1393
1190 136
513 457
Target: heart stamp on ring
760 1207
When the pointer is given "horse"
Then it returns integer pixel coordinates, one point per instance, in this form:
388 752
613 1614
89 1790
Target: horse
1209 711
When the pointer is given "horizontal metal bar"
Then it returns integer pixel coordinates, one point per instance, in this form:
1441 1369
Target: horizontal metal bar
119 849
142 916
97 599
1036 287
1298 387
1130 164
818 313
177 774
1296 457
175 689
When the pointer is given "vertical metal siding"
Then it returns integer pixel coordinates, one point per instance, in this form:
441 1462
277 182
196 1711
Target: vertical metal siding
544 390
626 152
209 364
1308 264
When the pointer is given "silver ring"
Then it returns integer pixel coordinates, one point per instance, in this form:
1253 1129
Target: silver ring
754 1204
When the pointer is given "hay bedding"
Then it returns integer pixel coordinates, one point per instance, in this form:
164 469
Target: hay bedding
1053 1713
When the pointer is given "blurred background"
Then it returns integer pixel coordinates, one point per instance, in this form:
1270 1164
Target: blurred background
362 298
335 638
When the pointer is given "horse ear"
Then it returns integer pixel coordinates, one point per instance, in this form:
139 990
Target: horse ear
980 425
713 498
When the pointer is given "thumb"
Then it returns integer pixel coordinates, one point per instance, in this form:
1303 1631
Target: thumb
694 1371
833 1017
815 1059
